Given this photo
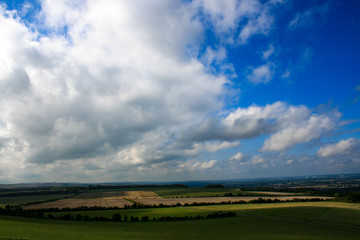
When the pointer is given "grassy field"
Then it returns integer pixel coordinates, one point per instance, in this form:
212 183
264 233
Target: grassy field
25 199
302 211
262 222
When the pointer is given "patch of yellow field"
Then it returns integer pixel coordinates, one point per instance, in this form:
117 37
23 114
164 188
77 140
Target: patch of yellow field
100 199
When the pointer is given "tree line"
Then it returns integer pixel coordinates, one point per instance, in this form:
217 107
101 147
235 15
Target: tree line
117 217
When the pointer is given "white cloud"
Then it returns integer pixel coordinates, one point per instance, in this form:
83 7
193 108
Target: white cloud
112 88
261 74
120 73
309 16
237 157
286 74
196 166
288 125
269 52
261 24
257 159
210 146
300 131
229 17
223 145
342 147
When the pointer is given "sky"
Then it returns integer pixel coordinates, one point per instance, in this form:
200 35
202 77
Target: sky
178 90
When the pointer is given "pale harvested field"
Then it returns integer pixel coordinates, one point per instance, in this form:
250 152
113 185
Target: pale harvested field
100 199
274 193
75 203
172 201
118 195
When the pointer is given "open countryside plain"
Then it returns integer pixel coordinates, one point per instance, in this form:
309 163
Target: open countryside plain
122 198
298 220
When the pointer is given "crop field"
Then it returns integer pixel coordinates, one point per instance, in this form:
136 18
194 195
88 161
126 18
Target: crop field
290 221
119 199
122 198
75 203
240 209
100 199
173 201
117 195
196 192
214 192
25 199
271 193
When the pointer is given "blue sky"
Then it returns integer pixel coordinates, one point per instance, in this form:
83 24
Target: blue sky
178 90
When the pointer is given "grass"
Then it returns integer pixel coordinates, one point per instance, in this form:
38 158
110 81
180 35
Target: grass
325 212
241 227
35 198
150 212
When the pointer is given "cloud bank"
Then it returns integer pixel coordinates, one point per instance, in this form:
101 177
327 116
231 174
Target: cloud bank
115 88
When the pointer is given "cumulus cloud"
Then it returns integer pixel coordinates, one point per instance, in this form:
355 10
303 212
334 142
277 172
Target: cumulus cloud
261 74
237 21
237 157
301 130
77 103
288 125
196 166
96 87
257 159
343 147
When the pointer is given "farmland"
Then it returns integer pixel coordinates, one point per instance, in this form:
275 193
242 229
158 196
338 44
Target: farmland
239 209
214 192
150 213
122 198
197 192
173 201
325 220
35 198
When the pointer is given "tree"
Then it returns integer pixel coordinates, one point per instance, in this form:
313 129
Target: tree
116 217
214 186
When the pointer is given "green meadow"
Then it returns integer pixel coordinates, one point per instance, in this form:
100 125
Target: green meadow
336 213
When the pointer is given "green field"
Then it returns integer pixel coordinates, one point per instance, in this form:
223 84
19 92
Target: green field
150 212
321 212
32 198
263 222
290 220
197 192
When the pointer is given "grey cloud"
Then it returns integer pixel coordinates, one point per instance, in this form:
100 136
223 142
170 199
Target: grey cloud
16 81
